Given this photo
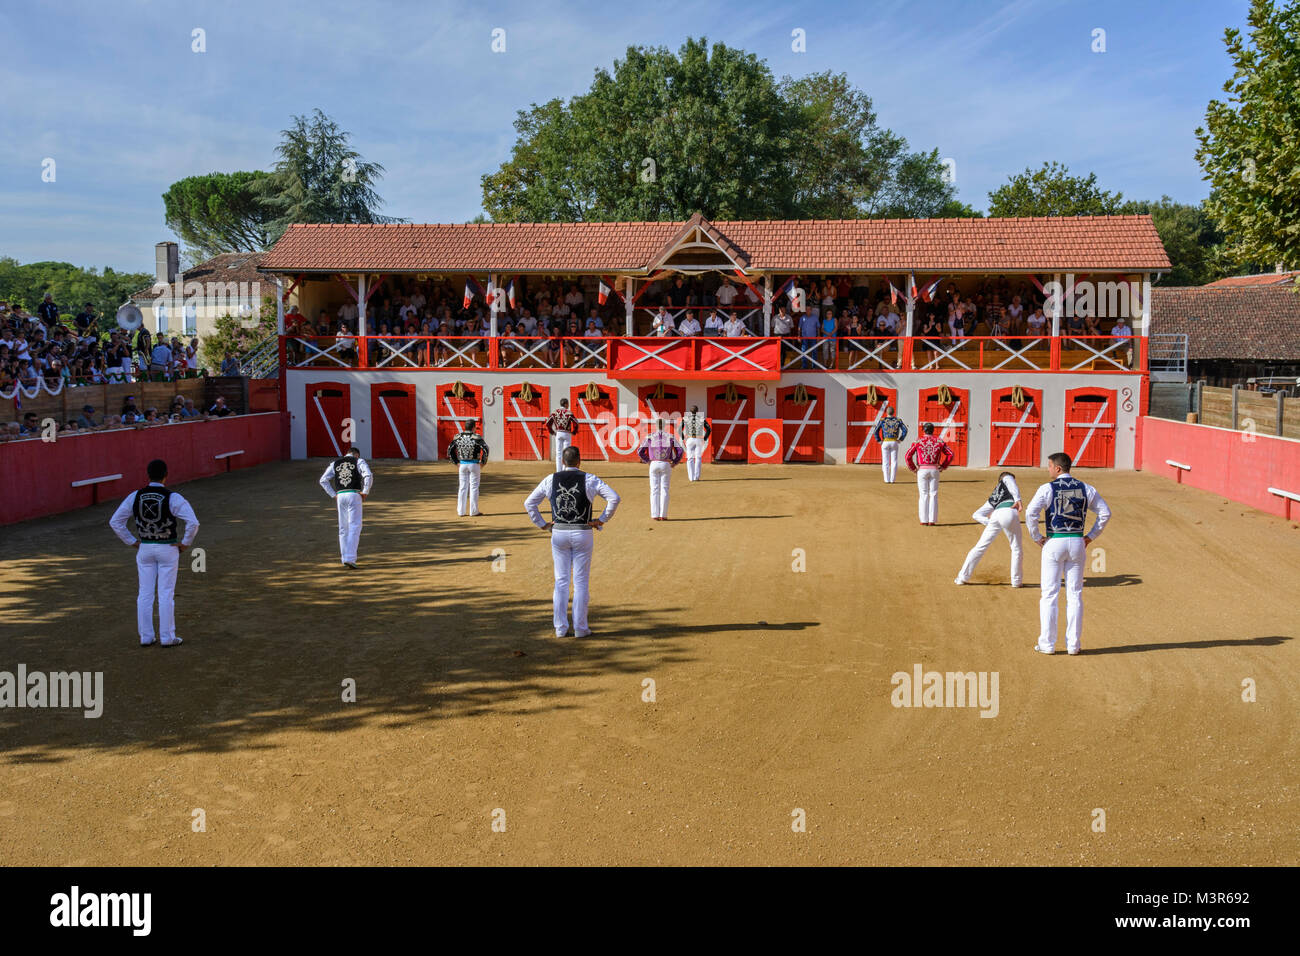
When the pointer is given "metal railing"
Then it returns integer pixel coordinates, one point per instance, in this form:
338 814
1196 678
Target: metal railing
704 355
1167 356
262 360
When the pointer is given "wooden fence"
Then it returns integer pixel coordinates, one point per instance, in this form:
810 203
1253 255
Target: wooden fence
1244 410
107 399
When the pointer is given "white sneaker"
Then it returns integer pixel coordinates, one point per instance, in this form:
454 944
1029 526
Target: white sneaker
1074 651
958 581
1041 651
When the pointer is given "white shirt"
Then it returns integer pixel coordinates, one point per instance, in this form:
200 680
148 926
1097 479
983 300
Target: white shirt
180 509
713 324
367 478
782 324
1121 330
419 301
349 312
1043 498
594 487
664 323
1037 321
726 294
734 328
690 326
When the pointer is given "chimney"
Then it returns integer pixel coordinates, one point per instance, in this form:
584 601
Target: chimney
167 262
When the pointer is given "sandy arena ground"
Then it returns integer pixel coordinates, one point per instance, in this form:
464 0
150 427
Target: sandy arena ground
773 687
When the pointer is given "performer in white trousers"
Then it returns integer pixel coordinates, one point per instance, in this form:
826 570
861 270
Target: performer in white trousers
155 508
347 480
1067 501
571 493
696 430
661 451
890 432
928 457
1001 513
470 453
561 424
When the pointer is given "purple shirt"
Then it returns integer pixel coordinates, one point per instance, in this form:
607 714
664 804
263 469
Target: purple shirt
660 446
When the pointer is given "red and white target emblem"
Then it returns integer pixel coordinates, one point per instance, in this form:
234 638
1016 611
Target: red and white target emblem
765 441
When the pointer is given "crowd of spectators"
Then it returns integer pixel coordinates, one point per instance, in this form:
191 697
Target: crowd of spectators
826 315
130 415
56 349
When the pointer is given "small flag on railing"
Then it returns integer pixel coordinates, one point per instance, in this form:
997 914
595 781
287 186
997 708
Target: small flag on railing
602 294
469 292
510 293
490 295
893 294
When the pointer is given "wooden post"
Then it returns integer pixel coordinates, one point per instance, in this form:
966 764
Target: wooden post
279 306
492 309
629 292
1235 389
1281 408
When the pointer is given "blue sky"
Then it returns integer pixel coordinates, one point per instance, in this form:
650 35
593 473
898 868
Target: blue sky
112 92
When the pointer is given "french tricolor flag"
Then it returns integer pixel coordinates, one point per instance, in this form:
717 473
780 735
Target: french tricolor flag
928 291
469 291
510 293
893 294
602 294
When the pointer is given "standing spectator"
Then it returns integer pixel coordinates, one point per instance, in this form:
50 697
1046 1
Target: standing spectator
85 319
727 293
782 323
192 356
160 359
808 329
48 311
679 294
828 329
230 364
1121 331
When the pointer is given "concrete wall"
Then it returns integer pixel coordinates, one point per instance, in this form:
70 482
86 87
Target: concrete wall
909 385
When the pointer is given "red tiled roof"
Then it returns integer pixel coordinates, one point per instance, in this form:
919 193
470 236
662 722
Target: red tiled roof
1266 278
227 267
1078 243
1255 323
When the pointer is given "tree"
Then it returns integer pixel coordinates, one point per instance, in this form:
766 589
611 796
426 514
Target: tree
71 287
1189 235
1249 146
237 335
219 212
708 129
1052 191
319 178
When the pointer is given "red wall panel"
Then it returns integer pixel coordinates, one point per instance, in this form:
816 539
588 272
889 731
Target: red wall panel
1224 462
38 475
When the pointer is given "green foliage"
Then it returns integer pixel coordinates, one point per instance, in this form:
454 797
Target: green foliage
1249 146
1052 191
232 334
1189 236
319 178
70 285
708 129
219 212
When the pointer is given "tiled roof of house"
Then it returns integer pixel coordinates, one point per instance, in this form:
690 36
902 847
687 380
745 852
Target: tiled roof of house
1081 243
1258 323
234 267
1263 279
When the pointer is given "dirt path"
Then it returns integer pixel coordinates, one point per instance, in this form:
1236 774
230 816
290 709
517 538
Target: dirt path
773 688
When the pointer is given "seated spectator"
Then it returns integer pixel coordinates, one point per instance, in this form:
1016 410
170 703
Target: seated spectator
87 417
554 350
1036 323
690 325
733 328
219 408
30 425
1122 330
663 323
12 432
151 417
714 324
1015 313
592 332
190 411
1091 326
130 414
1075 325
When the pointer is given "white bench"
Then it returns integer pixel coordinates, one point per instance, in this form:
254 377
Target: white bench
227 455
94 485
1180 468
1287 496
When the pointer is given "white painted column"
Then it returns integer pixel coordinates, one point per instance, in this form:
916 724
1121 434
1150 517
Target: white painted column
911 306
1146 309
767 304
492 309
361 304
279 306
629 292
1056 305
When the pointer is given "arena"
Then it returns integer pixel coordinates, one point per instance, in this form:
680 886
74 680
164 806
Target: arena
771 614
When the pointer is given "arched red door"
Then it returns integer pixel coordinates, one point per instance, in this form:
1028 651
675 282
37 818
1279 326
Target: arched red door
393 418
597 417
1090 427
453 411
730 421
951 421
863 416
1016 431
803 411
666 401
526 408
329 407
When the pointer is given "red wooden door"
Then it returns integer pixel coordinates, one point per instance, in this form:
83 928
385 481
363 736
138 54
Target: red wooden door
730 422
1090 427
1016 434
526 411
863 417
393 421
951 421
329 406
803 430
453 412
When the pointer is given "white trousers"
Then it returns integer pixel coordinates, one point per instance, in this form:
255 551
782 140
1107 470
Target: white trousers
571 552
562 441
660 475
1062 554
467 493
927 490
157 564
349 524
695 457
1007 521
889 459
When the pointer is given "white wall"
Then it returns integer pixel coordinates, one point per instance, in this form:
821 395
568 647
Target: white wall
837 384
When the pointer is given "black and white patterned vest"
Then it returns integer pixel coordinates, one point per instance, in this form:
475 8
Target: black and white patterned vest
1068 510
467 447
347 476
1002 496
693 425
570 506
154 521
